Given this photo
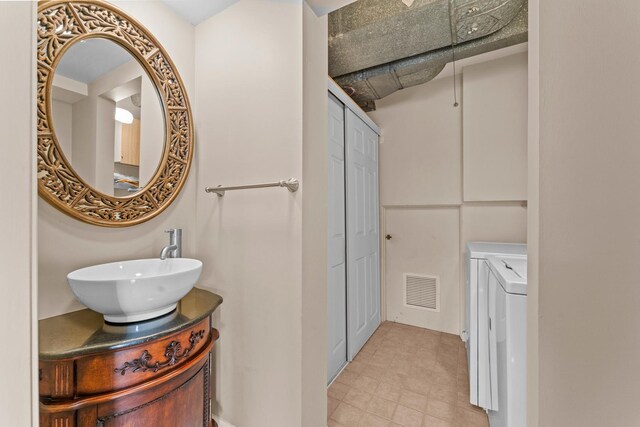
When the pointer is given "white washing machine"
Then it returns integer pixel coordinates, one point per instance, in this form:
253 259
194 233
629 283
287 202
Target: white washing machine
508 340
476 324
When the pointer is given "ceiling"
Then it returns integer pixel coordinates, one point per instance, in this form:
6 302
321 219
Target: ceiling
323 7
197 11
91 58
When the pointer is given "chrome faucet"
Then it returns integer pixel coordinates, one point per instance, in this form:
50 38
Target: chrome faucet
174 249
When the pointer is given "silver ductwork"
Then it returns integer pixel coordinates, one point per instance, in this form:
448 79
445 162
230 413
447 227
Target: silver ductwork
377 47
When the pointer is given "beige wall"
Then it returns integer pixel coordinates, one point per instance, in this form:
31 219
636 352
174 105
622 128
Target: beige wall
421 179
65 244
421 149
495 130
489 221
314 219
93 135
17 112
63 122
151 132
83 133
251 128
425 242
104 141
533 215
589 213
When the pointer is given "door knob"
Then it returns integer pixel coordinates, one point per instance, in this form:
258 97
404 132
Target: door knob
388 237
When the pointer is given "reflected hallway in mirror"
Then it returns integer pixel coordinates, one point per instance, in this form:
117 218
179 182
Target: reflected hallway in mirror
107 116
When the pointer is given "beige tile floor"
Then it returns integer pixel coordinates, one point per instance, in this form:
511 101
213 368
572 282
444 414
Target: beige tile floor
405 376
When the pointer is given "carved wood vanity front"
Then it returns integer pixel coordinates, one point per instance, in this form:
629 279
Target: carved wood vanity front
152 373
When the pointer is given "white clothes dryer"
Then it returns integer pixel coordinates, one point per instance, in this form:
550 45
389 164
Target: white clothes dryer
508 340
476 320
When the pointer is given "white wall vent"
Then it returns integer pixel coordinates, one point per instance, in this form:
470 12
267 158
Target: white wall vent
422 292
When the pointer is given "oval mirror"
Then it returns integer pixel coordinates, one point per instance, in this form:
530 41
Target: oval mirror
107 117
115 131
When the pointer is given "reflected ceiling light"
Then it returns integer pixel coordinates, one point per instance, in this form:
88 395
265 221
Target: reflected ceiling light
124 116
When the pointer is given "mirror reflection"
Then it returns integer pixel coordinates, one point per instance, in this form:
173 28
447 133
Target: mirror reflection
107 117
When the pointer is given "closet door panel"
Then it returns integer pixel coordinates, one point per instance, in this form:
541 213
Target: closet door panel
363 252
337 274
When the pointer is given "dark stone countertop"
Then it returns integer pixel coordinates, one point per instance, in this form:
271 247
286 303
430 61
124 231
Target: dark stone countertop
85 331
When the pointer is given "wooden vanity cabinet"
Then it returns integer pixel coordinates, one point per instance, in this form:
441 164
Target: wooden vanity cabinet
163 381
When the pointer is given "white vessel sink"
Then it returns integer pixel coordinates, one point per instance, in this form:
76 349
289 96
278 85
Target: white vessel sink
132 291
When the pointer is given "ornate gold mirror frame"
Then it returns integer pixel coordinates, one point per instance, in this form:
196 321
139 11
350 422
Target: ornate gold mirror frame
60 25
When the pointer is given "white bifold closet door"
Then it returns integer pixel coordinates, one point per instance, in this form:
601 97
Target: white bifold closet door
363 237
353 246
336 246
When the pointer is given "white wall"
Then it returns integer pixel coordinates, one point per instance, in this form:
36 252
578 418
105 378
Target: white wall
589 212
428 147
17 112
63 242
251 127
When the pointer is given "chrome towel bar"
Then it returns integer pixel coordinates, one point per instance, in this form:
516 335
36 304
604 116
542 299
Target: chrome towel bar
291 184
